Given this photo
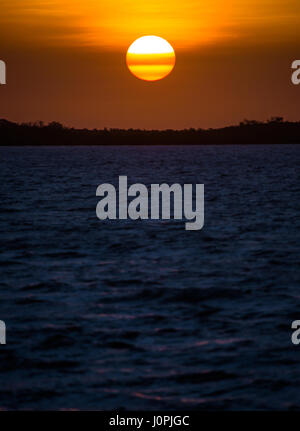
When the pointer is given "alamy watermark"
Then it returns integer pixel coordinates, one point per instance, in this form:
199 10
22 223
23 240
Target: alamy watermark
296 334
2 332
296 74
141 207
2 72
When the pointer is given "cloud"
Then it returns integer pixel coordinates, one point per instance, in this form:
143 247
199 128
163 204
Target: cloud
114 24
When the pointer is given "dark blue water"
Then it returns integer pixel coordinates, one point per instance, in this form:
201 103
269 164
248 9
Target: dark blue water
144 314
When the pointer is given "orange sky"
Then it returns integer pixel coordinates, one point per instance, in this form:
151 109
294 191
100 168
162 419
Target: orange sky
66 61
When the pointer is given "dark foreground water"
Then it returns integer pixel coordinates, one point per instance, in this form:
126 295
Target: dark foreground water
146 315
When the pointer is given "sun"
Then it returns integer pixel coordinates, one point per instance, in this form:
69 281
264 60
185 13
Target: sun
150 58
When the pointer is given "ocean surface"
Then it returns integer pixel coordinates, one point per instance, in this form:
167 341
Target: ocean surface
144 314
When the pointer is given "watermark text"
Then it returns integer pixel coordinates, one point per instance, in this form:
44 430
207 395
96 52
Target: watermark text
2 332
153 204
296 74
2 72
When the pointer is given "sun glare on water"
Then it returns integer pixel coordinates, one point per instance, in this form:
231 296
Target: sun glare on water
150 58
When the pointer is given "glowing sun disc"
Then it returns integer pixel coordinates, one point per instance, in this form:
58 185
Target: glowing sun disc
150 58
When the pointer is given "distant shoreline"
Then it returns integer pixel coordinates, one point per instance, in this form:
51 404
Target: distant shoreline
273 131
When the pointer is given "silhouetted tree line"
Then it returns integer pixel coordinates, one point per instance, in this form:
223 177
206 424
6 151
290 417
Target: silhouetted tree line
273 131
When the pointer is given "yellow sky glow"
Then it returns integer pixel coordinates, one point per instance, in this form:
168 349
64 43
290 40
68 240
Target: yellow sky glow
113 24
